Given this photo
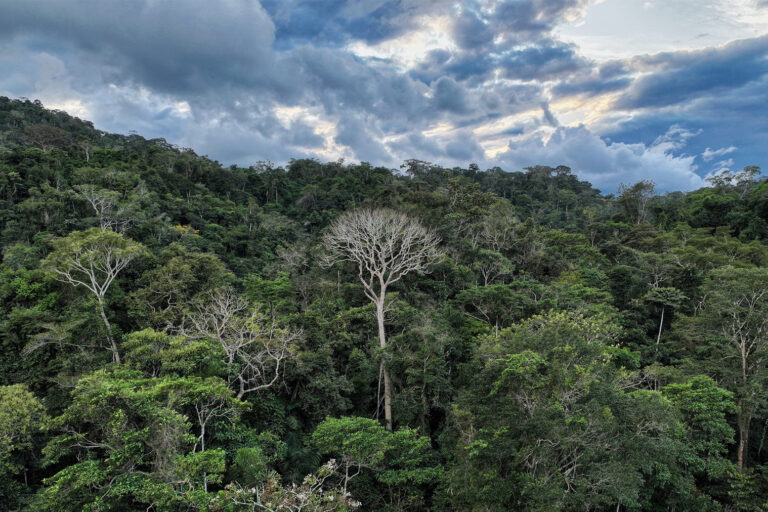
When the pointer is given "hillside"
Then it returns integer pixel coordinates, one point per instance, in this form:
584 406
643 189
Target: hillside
179 335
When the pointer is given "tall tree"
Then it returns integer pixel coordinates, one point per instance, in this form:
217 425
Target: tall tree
668 298
734 317
385 245
634 199
93 259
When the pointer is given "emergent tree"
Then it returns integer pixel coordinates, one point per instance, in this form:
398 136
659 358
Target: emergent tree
734 317
385 245
93 259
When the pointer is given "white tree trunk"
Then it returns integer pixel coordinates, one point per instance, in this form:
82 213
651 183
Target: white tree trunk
384 369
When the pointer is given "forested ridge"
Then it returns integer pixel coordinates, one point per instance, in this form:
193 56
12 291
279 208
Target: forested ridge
179 336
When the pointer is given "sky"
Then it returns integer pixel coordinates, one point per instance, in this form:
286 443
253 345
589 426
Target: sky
619 90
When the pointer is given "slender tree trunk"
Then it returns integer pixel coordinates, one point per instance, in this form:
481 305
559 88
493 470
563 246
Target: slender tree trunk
202 449
743 435
743 418
110 339
384 370
661 324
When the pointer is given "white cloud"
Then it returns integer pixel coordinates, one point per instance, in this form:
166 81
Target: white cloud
604 164
711 154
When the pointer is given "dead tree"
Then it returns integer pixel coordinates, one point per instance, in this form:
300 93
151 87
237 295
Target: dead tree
255 346
385 245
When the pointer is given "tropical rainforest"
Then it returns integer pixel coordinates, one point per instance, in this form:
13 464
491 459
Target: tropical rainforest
177 335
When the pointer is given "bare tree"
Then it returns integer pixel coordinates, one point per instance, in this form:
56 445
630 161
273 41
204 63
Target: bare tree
385 245
105 205
255 346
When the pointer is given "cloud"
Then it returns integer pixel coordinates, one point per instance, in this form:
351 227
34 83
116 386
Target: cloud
546 60
334 23
530 18
354 133
455 147
470 32
675 138
602 163
449 96
172 45
711 154
385 80
681 77
729 118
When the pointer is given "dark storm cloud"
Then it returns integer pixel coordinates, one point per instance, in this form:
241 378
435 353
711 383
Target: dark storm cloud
685 76
733 118
333 23
463 148
450 96
341 82
526 17
592 81
215 76
304 135
546 60
513 20
471 32
173 46
591 87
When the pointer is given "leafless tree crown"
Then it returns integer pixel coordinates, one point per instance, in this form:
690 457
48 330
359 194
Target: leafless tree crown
255 347
384 244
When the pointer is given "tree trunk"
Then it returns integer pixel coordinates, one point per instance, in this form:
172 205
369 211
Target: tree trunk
743 435
384 370
110 339
202 449
661 324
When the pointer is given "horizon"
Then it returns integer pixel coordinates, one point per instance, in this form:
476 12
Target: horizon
617 90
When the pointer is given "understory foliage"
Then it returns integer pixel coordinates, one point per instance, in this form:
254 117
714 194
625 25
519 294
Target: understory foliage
181 336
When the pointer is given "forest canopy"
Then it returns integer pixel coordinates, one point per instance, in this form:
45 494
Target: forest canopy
322 336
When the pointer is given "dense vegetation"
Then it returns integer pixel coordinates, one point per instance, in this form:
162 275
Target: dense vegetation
177 335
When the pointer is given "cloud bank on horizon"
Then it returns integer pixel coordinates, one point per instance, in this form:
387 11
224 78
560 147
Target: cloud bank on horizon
619 90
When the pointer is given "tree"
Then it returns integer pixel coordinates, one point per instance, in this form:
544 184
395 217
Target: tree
315 494
666 297
44 136
184 279
21 415
402 460
734 316
385 245
93 259
105 205
704 407
255 346
634 199
210 400
550 425
129 444
742 181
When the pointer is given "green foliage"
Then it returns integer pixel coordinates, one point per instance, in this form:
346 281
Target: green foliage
548 426
128 439
705 407
402 461
568 351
